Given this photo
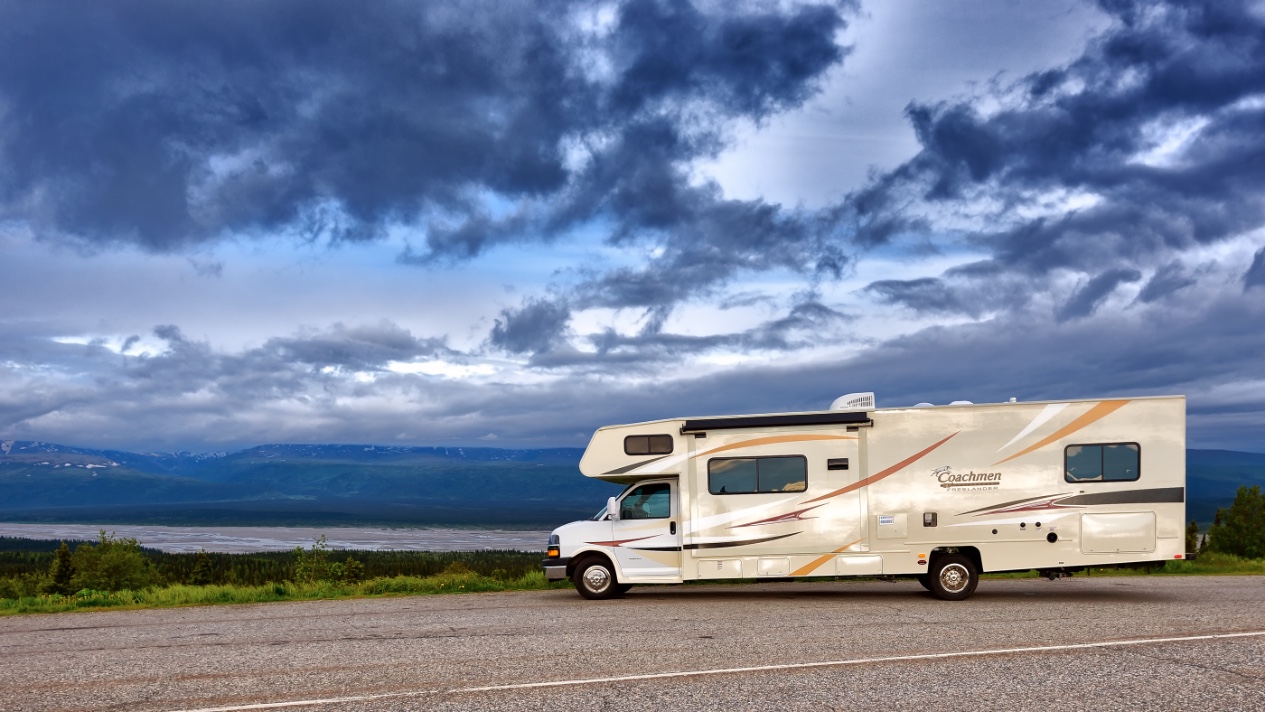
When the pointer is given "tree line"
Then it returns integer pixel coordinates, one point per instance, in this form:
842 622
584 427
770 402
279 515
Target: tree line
1238 530
118 563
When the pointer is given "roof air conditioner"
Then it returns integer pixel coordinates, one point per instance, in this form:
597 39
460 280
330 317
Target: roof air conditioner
854 401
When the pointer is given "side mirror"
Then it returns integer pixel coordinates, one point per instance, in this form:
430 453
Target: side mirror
612 509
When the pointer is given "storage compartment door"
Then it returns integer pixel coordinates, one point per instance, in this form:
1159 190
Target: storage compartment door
1118 533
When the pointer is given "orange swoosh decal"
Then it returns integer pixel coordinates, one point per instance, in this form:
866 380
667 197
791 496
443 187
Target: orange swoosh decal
817 562
772 440
876 477
1093 415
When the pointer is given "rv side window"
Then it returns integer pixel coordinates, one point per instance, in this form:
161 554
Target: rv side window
652 501
1111 462
752 475
648 445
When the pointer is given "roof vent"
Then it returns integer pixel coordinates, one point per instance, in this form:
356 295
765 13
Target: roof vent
961 403
854 401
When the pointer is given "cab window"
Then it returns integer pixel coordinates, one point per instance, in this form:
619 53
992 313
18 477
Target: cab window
650 501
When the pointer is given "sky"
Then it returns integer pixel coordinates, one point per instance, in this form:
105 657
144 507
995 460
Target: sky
508 224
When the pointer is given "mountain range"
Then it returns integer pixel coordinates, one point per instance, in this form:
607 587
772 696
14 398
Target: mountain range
363 484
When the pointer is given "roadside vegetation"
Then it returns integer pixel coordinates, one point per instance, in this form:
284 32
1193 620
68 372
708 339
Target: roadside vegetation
46 577
112 572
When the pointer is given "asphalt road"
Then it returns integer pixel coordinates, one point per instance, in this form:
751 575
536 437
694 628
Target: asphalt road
1136 643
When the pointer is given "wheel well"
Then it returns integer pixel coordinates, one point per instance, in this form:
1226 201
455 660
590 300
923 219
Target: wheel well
587 556
969 552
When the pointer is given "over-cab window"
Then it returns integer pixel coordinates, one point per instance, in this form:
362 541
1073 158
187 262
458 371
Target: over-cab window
648 445
652 501
1112 462
751 475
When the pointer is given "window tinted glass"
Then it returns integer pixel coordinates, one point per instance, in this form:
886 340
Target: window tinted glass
783 474
1111 462
652 501
731 476
745 475
1120 462
636 445
648 445
1084 462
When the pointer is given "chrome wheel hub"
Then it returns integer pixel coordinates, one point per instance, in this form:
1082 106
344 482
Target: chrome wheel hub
954 578
597 579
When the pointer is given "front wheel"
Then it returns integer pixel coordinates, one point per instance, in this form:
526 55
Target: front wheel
595 580
952 577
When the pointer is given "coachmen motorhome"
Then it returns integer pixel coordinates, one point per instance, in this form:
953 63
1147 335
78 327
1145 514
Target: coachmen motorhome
941 493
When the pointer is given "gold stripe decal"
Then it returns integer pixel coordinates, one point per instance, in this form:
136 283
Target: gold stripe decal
817 562
773 440
1091 416
889 471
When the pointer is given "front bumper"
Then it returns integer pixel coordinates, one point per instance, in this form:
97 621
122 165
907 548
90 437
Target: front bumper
555 569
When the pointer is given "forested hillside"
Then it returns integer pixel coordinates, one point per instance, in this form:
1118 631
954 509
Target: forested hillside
349 484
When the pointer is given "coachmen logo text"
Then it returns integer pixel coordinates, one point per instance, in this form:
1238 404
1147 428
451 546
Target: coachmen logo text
967 480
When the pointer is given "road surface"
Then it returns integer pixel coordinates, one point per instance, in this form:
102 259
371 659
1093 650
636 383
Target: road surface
1128 643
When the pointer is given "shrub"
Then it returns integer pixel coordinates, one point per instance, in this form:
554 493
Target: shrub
1240 530
111 565
201 574
62 572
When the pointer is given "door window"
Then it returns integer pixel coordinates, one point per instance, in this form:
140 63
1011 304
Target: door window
650 501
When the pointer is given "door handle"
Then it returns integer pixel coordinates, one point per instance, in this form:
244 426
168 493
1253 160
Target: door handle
671 527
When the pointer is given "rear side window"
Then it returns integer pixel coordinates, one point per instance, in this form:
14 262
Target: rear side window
754 475
648 445
1109 462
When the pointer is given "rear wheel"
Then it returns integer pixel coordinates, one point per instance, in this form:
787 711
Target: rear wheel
952 577
595 580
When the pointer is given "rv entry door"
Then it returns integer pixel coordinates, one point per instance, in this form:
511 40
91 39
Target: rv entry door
649 532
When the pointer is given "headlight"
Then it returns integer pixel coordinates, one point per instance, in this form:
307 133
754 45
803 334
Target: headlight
554 540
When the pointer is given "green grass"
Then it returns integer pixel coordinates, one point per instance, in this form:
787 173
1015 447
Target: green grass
184 595
457 581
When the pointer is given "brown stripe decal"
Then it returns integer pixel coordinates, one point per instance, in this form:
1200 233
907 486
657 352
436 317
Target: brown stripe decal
618 542
876 477
1093 415
817 562
773 440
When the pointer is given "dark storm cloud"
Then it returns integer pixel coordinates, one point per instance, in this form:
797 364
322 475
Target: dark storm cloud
1091 294
973 290
1255 276
928 294
1167 280
1085 129
806 324
356 348
539 325
166 125
714 241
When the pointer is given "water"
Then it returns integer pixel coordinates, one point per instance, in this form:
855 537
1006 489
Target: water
237 540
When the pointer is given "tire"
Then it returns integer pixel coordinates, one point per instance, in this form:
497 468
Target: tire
623 588
952 577
595 580
924 581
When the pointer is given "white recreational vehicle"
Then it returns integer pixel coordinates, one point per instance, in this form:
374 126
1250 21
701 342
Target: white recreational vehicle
941 493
